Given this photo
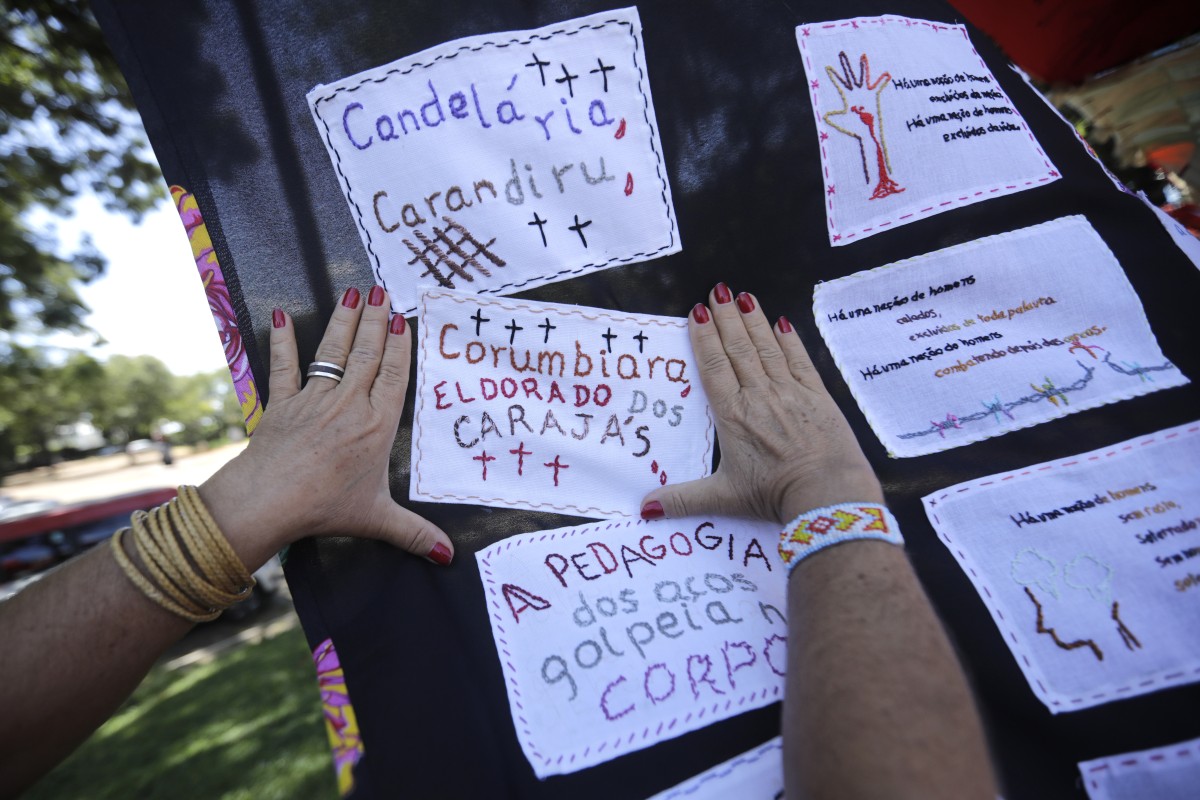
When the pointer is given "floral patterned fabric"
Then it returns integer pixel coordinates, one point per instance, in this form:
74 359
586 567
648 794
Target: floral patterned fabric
340 723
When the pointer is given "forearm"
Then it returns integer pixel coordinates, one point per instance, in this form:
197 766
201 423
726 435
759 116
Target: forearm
77 643
876 703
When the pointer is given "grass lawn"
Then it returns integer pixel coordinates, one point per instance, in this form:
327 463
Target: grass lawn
247 725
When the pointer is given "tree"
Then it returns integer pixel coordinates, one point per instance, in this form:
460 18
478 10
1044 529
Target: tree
39 396
67 126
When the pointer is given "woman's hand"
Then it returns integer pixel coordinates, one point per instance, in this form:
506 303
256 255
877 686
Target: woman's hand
785 446
318 461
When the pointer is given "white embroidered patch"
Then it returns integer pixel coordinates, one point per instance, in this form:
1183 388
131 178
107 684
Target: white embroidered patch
990 336
1164 773
1090 566
552 407
910 122
754 775
616 636
501 162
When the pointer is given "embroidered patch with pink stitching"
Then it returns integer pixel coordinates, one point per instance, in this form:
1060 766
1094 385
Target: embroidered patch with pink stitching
910 123
552 407
616 636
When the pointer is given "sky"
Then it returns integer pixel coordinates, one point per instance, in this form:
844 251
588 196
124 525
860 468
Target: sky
150 300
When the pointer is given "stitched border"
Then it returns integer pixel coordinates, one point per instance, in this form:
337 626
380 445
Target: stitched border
634 32
936 205
746 758
872 420
484 558
1031 670
545 308
1156 758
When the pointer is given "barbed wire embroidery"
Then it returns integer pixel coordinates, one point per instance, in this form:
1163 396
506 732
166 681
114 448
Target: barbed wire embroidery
848 81
456 249
1046 391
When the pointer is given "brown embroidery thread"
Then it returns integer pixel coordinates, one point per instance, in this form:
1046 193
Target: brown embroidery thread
1041 628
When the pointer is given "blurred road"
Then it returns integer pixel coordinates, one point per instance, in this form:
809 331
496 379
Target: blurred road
108 476
101 477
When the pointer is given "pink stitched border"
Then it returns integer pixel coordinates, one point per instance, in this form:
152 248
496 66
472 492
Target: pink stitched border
935 206
930 502
706 458
1156 758
502 645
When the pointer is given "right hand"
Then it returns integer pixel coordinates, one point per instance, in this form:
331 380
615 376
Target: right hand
785 446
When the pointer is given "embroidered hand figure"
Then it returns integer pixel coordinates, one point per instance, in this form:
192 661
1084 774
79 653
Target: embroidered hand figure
864 94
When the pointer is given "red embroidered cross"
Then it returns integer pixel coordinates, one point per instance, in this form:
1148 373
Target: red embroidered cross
557 465
520 453
485 458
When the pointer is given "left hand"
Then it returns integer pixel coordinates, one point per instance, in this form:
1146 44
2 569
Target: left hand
318 461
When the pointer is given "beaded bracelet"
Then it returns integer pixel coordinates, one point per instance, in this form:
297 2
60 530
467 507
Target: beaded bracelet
824 527
188 566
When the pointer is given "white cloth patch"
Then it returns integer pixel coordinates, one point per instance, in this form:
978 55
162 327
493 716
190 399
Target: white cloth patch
990 336
1164 773
615 636
754 775
1182 237
501 162
910 122
1090 566
553 407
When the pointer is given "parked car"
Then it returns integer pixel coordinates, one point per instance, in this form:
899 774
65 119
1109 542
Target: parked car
38 535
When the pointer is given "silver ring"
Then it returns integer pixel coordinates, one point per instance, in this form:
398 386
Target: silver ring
324 369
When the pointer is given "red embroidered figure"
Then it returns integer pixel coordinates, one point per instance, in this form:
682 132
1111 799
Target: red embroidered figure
858 84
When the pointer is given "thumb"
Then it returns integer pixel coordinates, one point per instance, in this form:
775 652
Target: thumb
414 533
692 498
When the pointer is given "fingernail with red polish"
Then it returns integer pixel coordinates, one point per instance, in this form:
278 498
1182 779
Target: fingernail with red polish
350 298
397 324
700 313
440 555
277 318
653 510
721 292
784 325
375 298
745 303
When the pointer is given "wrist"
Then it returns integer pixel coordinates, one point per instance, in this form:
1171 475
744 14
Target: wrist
255 529
851 485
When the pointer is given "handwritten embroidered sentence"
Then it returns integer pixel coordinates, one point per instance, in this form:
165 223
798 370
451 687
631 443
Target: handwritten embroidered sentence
469 431
619 635
944 356
910 122
1148 530
1084 563
539 398
498 162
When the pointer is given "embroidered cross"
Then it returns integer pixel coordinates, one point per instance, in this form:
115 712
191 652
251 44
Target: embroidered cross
541 66
548 327
815 84
578 228
805 31
608 336
832 190
556 465
539 222
512 327
520 453
485 458
641 340
567 78
824 136
603 69
479 319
